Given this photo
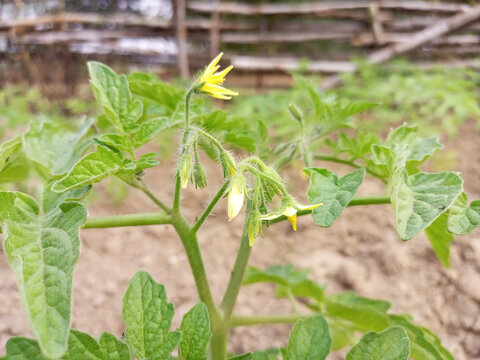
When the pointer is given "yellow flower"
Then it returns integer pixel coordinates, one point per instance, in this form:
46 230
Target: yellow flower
236 196
210 80
290 211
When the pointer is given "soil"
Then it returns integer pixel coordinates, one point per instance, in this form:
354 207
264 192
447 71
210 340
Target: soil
360 252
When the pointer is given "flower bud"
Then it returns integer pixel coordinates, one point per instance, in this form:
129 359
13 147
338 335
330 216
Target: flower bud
185 170
295 112
236 195
253 226
228 164
199 175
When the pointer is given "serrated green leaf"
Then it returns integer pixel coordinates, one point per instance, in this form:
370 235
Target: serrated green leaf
354 108
335 193
53 146
278 274
462 218
82 346
113 349
366 314
19 348
246 356
147 316
115 142
440 238
419 199
91 169
196 333
383 159
149 129
424 344
309 339
42 251
113 94
391 344
151 88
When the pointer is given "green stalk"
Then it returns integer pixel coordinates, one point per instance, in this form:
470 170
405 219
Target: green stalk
210 206
127 220
360 200
176 196
263 319
236 278
190 243
349 163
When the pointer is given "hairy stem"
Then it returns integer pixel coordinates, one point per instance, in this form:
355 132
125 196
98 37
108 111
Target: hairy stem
236 278
360 200
210 206
146 190
127 220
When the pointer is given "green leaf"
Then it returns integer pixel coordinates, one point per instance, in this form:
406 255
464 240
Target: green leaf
354 108
246 356
19 348
91 169
113 94
309 339
151 88
53 146
82 346
462 218
195 329
149 129
305 288
42 251
440 238
342 333
335 193
424 344
366 314
391 344
113 349
147 316
419 199
15 169
278 274
265 355
8 149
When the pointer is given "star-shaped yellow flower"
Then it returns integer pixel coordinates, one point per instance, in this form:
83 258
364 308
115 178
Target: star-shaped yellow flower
290 211
210 80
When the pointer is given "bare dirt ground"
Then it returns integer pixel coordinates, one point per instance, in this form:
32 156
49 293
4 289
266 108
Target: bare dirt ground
360 252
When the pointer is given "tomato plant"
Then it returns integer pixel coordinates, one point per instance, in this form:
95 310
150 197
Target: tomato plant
41 230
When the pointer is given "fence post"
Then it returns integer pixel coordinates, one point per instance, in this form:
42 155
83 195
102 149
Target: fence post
181 32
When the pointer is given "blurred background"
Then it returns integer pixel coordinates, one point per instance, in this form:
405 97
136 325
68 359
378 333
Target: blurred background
418 59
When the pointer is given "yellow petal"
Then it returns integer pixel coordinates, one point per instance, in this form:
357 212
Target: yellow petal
293 221
236 197
309 207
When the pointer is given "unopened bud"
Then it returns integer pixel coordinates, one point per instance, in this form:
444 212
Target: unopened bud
295 112
228 164
185 170
253 226
236 195
199 175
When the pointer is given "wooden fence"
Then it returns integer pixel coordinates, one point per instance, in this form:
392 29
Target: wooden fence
320 36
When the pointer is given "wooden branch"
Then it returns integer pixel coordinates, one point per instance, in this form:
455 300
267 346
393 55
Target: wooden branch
272 37
320 7
254 63
431 33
